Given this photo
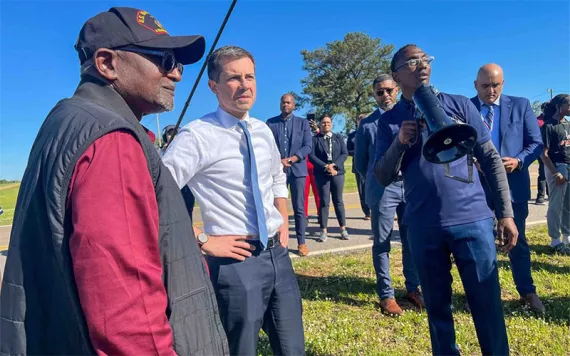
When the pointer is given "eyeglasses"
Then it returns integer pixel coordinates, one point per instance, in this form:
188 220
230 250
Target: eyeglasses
414 62
167 60
380 92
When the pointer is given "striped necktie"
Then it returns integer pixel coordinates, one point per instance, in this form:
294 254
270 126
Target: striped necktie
488 119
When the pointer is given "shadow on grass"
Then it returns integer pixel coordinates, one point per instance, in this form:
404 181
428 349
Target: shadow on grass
541 249
335 288
341 289
538 266
557 308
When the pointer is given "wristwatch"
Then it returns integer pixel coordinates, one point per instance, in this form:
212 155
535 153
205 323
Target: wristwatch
290 161
520 166
202 238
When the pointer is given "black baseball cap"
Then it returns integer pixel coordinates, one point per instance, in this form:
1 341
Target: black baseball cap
122 26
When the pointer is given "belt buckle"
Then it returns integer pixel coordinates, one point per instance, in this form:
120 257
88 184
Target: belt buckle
272 241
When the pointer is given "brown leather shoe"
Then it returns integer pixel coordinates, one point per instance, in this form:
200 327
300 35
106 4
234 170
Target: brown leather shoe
303 250
534 302
416 299
390 307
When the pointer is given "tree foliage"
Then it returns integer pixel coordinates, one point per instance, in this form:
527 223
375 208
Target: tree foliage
340 76
536 107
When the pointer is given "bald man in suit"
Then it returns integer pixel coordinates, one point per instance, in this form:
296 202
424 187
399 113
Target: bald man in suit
522 146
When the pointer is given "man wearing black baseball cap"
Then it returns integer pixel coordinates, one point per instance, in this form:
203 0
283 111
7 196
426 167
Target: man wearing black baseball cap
102 256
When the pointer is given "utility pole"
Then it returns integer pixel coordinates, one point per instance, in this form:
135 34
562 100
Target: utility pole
551 91
158 135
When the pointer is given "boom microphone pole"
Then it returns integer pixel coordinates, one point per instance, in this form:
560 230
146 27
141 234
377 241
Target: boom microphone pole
203 68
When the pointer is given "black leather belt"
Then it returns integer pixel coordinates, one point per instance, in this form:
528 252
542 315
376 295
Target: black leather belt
273 241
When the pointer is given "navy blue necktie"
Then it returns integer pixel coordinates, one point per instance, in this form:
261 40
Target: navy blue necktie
261 223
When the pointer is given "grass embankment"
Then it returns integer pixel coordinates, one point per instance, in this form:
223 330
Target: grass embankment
341 309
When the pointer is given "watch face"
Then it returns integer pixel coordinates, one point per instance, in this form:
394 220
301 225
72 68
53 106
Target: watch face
202 237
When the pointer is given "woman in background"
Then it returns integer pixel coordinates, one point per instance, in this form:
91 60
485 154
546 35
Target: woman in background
328 157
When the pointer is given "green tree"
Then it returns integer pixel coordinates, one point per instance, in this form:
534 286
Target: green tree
536 107
340 76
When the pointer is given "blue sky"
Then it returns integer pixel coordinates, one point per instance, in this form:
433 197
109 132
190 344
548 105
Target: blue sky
529 39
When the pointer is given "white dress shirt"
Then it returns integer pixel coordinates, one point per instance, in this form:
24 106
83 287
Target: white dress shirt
210 155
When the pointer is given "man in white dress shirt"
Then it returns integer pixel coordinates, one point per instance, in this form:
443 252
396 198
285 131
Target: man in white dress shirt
231 163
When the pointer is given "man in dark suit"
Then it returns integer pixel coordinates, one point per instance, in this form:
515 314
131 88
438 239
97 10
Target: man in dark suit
360 179
384 204
522 145
294 140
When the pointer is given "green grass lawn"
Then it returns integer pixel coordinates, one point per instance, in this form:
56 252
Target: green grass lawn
341 310
8 196
349 179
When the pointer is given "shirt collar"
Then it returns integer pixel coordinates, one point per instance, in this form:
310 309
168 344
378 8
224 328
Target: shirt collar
329 134
286 118
496 102
228 120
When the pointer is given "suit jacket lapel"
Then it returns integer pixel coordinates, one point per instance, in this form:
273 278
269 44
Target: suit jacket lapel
378 114
477 103
294 129
323 144
505 119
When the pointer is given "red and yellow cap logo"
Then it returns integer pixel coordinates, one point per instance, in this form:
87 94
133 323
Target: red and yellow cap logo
148 21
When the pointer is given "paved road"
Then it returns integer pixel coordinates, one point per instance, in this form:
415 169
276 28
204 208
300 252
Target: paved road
358 228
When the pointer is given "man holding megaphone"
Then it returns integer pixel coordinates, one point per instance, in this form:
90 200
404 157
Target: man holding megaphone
447 216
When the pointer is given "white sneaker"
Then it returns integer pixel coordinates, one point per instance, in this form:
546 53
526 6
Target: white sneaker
554 242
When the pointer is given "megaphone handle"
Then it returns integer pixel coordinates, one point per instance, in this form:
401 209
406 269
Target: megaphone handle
470 163
469 171
418 132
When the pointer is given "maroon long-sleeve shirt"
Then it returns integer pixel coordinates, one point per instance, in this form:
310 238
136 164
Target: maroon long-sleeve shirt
114 249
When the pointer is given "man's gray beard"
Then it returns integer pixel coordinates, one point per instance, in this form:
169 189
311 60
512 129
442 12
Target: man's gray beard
387 107
165 103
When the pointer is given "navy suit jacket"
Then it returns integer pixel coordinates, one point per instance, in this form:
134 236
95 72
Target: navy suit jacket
319 155
519 138
364 157
350 147
301 142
